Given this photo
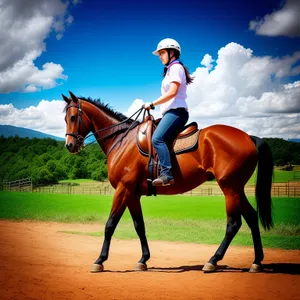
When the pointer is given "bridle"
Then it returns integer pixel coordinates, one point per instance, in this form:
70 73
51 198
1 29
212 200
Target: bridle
80 139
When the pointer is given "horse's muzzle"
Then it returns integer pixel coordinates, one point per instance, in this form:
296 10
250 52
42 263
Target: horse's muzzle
70 147
73 148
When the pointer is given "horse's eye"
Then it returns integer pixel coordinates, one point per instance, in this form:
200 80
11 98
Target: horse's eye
72 118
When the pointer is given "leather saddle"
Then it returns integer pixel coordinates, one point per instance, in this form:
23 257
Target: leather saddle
186 140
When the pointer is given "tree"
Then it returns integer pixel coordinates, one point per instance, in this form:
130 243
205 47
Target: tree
43 176
99 171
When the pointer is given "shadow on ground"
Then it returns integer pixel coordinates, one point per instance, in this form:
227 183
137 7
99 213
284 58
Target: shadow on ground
275 268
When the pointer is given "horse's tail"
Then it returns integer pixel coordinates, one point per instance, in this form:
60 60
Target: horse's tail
264 182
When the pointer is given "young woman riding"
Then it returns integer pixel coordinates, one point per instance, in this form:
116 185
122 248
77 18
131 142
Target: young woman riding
173 106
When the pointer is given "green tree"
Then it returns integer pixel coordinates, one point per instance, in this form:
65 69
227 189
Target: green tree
43 176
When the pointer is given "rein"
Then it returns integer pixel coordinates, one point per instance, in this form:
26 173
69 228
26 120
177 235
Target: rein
80 139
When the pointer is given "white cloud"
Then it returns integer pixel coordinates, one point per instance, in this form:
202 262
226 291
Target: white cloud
207 61
134 107
25 25
283 22
242 90
47 117
245 91
25 74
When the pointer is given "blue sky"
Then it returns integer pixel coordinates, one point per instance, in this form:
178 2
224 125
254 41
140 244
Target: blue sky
102 49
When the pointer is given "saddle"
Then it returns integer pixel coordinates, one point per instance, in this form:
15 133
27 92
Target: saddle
186 140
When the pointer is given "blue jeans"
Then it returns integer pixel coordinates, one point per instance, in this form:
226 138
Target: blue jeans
168 128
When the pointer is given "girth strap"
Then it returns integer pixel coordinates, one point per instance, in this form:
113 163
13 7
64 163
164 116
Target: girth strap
151 162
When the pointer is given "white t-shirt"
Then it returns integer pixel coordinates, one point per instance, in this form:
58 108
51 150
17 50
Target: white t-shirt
176 73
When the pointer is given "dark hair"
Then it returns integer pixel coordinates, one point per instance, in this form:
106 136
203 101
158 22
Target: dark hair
189 78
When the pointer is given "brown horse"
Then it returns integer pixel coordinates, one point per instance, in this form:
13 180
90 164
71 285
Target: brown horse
227 153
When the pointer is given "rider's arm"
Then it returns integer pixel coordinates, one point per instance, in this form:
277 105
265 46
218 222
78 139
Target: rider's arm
171 93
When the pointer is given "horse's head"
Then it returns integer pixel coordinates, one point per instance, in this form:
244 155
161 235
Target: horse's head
77 124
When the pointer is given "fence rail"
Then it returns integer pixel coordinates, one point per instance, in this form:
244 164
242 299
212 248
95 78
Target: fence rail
86 190
285 189
289 189
24 185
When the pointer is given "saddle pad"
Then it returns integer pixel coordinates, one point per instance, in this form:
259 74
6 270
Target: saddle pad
186 143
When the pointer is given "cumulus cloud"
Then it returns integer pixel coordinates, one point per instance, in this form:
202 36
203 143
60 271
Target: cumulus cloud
283 22
135 106
207 61
246 91
47 117
256 94
24 27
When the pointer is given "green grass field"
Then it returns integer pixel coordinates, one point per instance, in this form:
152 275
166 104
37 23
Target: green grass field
168 218
279 176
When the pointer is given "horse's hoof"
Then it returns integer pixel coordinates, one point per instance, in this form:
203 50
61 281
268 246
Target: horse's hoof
208 268
140 267
255 268
96 268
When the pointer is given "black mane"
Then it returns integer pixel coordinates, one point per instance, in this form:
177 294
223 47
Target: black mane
104 107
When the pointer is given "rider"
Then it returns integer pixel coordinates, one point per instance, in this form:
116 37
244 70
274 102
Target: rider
172 103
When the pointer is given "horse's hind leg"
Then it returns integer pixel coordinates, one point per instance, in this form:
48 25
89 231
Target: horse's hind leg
234 222
135 210
250 216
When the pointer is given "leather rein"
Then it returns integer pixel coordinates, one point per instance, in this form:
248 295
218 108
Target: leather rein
80 139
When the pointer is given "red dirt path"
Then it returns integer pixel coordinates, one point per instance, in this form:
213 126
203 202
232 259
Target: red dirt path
38 261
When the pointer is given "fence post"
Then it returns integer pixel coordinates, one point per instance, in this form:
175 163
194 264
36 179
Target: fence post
294 191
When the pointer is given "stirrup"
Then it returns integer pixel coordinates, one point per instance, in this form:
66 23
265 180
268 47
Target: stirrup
163 180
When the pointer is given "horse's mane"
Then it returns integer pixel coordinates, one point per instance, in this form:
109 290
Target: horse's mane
105 107
126 123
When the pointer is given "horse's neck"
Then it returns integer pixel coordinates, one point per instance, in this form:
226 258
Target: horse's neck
101 120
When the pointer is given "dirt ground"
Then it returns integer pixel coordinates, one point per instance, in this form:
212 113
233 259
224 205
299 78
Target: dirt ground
39 261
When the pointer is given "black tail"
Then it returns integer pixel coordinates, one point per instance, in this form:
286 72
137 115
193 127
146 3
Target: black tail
264 182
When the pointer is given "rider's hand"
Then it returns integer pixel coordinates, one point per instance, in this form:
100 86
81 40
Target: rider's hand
148 105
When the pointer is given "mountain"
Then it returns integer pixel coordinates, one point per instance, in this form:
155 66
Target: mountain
294 140
8 130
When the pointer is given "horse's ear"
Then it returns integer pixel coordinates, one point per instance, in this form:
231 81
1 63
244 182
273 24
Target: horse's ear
66 98
74 98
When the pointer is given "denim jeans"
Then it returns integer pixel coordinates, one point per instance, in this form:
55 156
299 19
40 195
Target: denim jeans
168 128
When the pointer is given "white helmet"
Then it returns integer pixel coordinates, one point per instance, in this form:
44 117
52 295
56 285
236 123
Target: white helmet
167 44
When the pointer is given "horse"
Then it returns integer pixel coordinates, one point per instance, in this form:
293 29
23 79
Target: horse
224 152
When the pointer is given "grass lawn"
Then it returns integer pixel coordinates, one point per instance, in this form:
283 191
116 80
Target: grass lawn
279 176
170 218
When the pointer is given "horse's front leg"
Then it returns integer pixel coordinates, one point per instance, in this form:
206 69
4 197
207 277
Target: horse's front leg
134 206
118 207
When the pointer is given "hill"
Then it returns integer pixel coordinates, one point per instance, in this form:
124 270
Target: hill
8 130
294 140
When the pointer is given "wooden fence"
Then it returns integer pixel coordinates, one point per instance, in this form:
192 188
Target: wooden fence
289 189
102 189
286 189
24 185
